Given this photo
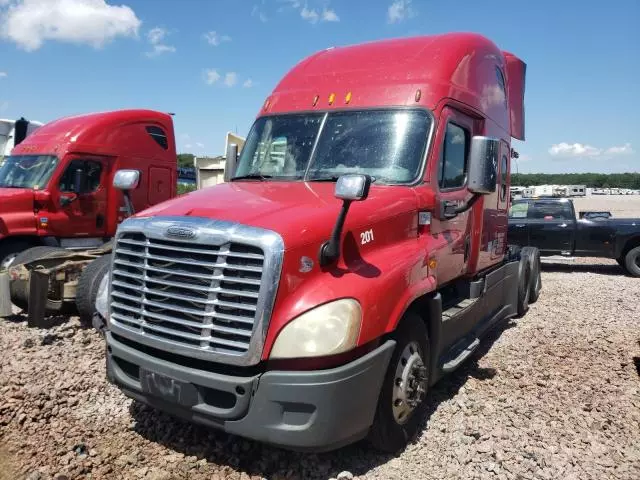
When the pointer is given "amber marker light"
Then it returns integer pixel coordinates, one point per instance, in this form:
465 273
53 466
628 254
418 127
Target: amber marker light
332 98
315 100
347 99
418 95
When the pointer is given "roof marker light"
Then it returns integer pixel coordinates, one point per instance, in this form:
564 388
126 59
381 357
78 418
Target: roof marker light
332 97
315 100
347 99
418 95
266 104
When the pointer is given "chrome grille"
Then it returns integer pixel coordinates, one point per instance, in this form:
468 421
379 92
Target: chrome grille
184 293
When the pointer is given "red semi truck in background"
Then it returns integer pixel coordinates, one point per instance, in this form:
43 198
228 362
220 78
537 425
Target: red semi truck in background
56 186
357 254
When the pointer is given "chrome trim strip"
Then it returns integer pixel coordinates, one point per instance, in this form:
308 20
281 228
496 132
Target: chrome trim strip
214 233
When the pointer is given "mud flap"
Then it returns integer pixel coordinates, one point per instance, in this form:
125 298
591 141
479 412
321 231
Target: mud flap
5 296
38 290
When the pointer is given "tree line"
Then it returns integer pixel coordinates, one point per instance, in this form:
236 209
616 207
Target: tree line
591 180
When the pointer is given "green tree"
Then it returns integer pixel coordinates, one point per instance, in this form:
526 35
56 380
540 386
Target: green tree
185 159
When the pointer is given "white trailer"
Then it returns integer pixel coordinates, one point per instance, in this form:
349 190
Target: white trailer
8 133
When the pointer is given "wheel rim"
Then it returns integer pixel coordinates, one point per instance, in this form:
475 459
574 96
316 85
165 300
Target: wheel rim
410 383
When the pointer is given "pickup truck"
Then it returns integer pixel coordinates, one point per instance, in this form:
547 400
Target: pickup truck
550 224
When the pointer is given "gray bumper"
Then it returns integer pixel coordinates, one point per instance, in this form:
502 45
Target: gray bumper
314 410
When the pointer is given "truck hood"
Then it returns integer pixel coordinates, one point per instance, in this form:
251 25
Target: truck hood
16 211
300 212
13 200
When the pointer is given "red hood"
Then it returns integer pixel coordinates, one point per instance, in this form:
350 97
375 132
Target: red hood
300 212
16 211
15 199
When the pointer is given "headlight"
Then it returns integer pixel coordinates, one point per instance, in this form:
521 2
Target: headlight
326 330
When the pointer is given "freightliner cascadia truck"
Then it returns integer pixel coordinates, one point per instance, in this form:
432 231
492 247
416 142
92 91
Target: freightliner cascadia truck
357 253
62 192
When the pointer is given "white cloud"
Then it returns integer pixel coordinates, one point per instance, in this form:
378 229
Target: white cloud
622 150
3 74
564 149
257 12
29 23
156 37
199 145
213 38
211 76
248 83
309 15
330 15
399 11
230 79
188 146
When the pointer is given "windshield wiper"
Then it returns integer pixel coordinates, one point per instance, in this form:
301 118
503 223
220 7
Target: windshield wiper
252 176
332 178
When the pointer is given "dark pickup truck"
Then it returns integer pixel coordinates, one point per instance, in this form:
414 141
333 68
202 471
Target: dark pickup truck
550 224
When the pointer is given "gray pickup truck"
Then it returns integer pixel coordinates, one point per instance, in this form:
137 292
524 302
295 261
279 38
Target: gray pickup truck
550 224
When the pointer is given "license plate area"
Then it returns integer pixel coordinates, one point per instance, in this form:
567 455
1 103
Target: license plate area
168 389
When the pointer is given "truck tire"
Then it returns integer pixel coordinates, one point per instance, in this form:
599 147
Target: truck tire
397 421
632 262
536 277
9 250
524 285
88 285
20 288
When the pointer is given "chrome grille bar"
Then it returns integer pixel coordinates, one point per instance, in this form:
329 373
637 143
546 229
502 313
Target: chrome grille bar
209 297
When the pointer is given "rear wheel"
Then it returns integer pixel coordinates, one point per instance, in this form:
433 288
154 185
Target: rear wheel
535 282
524 285
632 262
20 288
402 404
88 286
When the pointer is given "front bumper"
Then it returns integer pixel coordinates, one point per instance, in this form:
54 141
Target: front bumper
309 410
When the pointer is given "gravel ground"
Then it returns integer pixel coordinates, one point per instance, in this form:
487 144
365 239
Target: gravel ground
555 395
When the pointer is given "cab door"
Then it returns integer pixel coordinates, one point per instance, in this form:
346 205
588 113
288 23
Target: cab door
80 211
551 226
452 234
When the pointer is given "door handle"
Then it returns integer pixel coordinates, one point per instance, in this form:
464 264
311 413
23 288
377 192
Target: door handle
520 226
562 225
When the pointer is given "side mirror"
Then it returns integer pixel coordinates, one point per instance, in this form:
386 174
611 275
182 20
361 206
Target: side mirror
483 165
232 160
126 179
353 187
79 181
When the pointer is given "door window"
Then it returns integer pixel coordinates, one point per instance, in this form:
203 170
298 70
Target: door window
550 211
519 210
452 168
92 173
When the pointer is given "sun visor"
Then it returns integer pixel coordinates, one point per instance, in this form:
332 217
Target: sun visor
516 73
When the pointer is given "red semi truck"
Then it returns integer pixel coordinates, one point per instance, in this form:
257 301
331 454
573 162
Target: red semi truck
56 186
357 253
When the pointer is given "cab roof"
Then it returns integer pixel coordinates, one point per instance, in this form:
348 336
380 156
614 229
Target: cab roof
391 72
88 132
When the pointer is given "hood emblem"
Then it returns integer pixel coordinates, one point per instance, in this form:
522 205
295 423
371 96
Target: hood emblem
179 231
306 264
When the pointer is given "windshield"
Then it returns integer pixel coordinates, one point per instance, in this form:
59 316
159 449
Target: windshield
26 171
389 145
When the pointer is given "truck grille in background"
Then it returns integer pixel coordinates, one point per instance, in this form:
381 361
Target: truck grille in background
187 293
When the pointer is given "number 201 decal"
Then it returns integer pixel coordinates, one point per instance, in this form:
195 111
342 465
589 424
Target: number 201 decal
366 237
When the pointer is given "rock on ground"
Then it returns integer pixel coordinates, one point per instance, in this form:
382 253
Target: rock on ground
554 395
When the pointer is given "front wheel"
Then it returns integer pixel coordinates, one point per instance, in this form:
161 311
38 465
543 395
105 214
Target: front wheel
402 404
632 262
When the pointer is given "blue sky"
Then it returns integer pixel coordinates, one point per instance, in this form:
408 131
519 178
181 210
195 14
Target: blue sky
214 62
